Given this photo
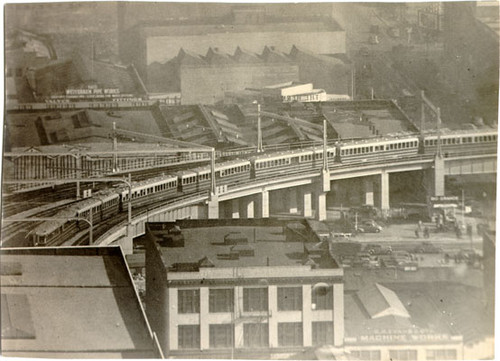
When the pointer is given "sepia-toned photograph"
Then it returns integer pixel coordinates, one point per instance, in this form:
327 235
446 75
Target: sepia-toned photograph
273 181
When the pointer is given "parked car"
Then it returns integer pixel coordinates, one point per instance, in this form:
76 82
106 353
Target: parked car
369 226
377 249
427 247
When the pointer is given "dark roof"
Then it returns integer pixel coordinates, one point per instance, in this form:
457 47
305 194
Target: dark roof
245 56
71 302
271 55
214 56
58 76
214 245
185 57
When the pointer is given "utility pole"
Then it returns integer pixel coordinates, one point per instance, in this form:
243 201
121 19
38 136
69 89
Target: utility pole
438 115
259 131
422 113
325 152
213 186
115 148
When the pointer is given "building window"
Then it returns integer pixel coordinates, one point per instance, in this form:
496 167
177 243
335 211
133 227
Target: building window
189 336
290 334
322 333
446 354
255 299
290 298
367 355
188 301
221 300
403 355
255 335
221 336
322 299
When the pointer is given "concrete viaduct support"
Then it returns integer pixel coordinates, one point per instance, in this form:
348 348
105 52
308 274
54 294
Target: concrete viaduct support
262 203
434 178
213 207
384 191
322 188
368 188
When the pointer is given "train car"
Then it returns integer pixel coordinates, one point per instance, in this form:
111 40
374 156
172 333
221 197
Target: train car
274 164
232 172
187 181
462 142
149 191
55 231
103 205
379 148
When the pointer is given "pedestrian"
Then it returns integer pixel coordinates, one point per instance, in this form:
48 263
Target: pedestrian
469 231
417 233
426 232
458 232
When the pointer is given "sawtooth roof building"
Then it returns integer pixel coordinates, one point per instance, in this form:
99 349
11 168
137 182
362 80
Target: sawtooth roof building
144 44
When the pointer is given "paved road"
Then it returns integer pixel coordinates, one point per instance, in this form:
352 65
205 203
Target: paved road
402 236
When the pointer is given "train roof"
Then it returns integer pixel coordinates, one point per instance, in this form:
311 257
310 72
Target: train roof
149 182
48 227
462 132
282 154
231 163
188 172
378 140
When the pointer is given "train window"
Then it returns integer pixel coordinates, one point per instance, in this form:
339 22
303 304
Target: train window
475 139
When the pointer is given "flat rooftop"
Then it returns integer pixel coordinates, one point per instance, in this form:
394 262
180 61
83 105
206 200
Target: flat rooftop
220 25
76 302
239 246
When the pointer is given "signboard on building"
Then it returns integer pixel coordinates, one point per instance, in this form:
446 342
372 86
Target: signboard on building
92 91
444 201
402 336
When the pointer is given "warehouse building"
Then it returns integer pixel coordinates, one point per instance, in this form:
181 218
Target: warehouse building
240 289
144 44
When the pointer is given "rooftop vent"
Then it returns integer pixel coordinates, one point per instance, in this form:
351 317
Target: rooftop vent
205 262
243 250
185 267
234 238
